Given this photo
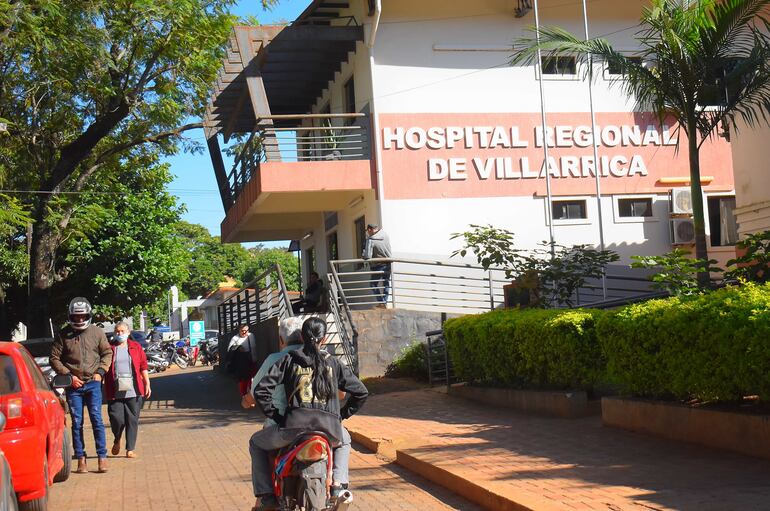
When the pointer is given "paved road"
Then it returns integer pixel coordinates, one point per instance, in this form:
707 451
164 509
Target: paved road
193 456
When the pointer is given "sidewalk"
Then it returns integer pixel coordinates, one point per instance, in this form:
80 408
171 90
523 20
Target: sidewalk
504 460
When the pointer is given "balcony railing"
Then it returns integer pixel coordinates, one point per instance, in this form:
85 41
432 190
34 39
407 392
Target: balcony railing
314 138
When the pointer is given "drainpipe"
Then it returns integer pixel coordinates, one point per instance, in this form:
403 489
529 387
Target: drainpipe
375 138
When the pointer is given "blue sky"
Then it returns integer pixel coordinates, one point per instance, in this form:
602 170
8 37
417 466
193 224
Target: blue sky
194 181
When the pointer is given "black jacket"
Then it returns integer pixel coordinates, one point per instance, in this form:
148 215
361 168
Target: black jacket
304 411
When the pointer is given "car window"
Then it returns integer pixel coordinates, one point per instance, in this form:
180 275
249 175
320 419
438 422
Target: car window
9 378
37 376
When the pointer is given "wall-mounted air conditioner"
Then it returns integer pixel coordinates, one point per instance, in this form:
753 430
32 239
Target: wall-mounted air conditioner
682 231
681 201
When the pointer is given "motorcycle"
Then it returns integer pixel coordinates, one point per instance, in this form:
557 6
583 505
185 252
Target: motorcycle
209 352
303 475
181 355
157 362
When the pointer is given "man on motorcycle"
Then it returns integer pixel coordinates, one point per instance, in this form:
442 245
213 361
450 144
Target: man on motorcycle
311 379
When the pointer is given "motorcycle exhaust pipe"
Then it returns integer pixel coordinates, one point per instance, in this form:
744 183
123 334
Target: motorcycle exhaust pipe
343 501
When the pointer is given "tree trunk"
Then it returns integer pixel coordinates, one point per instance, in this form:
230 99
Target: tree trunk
696 190
41 266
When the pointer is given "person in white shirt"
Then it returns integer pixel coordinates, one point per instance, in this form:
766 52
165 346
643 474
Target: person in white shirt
243 352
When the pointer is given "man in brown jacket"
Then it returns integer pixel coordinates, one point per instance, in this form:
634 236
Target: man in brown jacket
82 350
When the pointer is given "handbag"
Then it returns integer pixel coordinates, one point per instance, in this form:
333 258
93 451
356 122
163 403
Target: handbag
125 382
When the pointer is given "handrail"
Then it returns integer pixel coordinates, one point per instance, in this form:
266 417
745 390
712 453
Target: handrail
344 300
285 294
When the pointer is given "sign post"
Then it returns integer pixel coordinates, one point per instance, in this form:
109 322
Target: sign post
197 332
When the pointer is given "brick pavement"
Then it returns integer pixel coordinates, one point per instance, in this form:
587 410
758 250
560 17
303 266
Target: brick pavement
193 455
509 460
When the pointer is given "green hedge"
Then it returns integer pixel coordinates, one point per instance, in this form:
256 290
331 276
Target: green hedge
714 346
527 348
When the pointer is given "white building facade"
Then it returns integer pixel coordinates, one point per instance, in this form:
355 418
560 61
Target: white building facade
453 134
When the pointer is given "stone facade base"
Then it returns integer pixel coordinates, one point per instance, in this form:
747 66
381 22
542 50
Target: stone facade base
742 433
567 405
384 333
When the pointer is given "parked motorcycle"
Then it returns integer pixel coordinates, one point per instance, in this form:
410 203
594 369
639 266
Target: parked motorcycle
303 473
208 354
157 361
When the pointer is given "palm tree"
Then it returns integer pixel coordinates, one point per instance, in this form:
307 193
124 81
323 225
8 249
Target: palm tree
702 62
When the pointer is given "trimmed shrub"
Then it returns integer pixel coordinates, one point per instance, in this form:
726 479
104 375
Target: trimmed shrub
412 362
714 346
527 348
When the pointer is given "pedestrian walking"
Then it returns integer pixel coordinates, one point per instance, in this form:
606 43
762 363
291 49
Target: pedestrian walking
378 247
126 385
242 354
81 349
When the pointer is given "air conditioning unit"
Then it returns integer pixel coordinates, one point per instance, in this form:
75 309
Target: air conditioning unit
681 201
682 231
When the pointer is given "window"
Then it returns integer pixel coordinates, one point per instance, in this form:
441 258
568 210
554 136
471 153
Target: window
569 210
359 226
9 378
332 248
37 375
613 69
309 260
349 96
724 228
559 66
634 208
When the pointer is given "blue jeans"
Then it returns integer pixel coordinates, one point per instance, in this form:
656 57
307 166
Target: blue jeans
380 282
89 395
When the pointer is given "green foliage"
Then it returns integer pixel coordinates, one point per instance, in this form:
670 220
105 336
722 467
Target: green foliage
707 347
492 247
527 348
211 261
754 264
560 270
676 271
412 362
260 259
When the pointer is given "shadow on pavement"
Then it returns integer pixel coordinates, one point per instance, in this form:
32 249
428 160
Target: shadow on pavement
199 393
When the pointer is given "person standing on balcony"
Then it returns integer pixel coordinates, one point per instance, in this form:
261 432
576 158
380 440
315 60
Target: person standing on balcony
242 354
378 247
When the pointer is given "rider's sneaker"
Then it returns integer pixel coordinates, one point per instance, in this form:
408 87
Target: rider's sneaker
335 490
267 503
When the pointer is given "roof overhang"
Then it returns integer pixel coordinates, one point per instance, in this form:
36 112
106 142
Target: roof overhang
294 65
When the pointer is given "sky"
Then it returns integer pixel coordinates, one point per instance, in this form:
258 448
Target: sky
194 181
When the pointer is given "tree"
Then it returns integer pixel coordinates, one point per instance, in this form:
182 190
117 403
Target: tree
263 258
701 62
211 261
86 85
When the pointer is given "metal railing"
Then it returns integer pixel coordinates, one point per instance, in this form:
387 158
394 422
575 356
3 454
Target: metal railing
440 369
441 286
347 335
436 286
329 137
263 298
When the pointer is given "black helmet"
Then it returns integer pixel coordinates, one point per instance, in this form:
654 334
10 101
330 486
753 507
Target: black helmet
80 307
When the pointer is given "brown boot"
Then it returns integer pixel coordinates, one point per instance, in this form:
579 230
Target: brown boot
82 467
102 465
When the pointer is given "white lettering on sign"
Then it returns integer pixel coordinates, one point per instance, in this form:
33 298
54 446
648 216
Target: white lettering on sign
500 137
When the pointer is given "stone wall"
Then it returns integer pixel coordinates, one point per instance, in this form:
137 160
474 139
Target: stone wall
383 333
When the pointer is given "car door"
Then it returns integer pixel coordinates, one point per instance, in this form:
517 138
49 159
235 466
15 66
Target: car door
54 415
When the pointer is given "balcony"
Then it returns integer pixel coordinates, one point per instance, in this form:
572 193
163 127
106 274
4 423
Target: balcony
288 171
290 164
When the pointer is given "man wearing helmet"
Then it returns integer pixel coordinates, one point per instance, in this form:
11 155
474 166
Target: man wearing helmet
82 350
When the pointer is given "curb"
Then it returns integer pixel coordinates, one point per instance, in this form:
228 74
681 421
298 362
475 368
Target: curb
399 451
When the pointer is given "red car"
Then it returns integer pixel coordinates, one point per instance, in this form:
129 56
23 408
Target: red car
35 441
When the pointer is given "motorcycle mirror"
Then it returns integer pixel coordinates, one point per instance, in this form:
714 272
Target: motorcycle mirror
62 381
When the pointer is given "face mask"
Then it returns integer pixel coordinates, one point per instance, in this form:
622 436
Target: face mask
121 338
